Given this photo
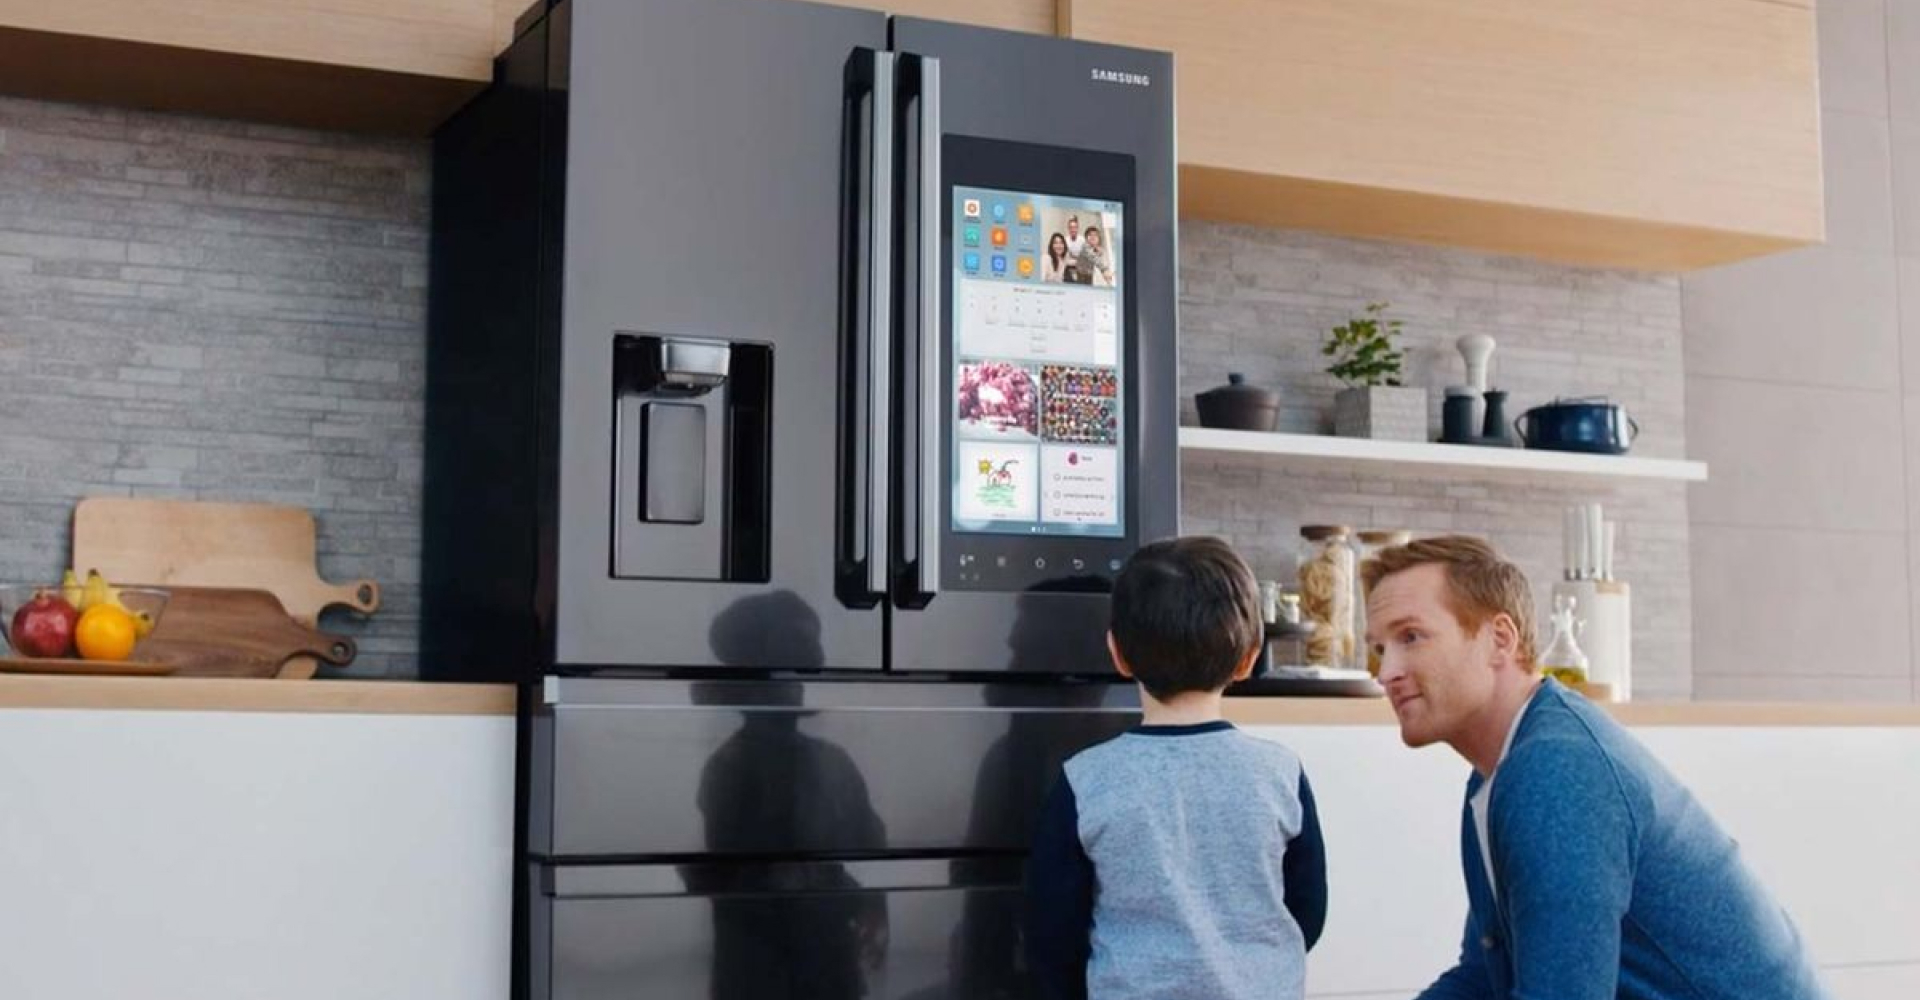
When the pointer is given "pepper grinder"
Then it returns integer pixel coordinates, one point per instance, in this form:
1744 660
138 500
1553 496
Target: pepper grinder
1494 430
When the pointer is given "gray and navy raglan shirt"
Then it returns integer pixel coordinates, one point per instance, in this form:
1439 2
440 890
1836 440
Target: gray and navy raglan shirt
1177 862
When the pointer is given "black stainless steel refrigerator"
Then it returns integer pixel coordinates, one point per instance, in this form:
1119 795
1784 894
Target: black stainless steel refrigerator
798 379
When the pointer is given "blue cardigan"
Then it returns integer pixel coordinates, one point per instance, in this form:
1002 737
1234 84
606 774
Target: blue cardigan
1613 881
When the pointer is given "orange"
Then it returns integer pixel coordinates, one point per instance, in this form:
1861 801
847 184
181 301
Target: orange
105 632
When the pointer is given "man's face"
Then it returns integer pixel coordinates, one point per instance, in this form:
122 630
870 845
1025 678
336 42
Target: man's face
1073 227
1438 676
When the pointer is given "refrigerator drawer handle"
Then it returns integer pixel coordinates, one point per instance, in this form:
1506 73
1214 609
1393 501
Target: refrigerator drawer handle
715 875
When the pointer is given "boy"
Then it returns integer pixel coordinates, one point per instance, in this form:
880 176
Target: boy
1181 859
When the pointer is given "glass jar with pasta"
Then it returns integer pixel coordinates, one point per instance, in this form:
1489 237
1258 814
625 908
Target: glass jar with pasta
1326 595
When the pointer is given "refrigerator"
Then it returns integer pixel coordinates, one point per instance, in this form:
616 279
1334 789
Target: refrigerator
798 379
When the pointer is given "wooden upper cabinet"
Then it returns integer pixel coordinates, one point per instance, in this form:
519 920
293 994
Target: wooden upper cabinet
390 66
1660 134
1035 16
396 66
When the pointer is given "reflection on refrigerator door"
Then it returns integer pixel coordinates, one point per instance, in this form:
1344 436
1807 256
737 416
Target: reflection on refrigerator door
900 930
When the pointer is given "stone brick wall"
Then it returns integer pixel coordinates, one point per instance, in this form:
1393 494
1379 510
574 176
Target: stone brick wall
1258 301
215 310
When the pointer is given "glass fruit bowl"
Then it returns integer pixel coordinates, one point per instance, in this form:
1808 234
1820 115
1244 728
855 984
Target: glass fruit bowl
40 622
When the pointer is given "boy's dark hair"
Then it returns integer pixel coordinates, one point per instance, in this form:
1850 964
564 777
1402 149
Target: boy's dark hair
1186 611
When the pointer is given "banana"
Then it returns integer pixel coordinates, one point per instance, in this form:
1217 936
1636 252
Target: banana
70 589
98 591
94 592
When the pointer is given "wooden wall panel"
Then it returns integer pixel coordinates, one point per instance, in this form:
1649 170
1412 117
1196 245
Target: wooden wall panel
393 66
444 38
1036 16
1693 123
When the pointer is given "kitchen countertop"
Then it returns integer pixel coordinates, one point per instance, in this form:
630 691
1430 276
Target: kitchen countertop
213 694
222 694
1376 712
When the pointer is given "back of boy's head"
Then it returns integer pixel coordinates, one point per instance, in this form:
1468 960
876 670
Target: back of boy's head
1186 612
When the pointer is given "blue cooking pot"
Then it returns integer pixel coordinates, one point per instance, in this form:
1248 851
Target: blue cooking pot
1592 425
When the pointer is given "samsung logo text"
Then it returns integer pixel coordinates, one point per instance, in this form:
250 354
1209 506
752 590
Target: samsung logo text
1117 76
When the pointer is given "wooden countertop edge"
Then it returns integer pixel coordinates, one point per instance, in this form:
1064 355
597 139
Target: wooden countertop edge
1374 711
221 694
214 694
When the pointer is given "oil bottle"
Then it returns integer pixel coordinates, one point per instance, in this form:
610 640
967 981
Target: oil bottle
1562 660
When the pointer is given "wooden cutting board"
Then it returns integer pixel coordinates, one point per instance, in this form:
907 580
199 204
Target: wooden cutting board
204 544
223 632
207 544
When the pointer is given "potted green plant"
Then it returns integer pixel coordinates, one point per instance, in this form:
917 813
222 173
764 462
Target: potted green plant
1367 361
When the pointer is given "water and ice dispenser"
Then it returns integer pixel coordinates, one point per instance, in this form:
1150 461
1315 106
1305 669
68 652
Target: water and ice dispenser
691 458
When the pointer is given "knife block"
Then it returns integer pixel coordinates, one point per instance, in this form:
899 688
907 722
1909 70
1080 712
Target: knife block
1603 610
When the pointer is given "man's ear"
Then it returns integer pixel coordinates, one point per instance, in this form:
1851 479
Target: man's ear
1119 662
1506 637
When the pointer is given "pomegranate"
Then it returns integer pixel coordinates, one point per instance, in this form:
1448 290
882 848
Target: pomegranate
44 626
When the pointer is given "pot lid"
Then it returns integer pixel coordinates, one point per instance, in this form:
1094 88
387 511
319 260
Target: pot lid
1572 402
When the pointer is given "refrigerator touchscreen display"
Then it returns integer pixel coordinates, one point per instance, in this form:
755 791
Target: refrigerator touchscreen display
1038 370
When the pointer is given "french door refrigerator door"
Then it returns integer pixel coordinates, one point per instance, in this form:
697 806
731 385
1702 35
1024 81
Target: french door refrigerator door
723 383
1036 445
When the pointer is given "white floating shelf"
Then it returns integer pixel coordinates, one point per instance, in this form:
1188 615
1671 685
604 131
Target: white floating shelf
1325 448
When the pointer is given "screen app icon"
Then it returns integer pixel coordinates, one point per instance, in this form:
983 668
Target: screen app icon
972 235
971 261
999 236
971 208
999 264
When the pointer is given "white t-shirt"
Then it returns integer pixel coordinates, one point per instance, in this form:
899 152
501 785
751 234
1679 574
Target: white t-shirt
1485 795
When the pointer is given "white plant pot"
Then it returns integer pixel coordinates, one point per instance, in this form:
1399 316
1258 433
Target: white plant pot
1391 413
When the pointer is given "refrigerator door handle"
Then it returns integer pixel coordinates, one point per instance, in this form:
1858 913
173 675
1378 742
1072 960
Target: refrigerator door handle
866 327
880 359
920 86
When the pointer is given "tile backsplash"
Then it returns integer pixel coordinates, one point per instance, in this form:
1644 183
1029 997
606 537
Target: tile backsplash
215 310
1258 301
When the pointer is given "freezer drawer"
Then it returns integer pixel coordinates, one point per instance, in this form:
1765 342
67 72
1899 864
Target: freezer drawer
636 769
885 930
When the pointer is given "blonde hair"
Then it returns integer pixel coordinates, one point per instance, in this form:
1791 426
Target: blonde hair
1480 584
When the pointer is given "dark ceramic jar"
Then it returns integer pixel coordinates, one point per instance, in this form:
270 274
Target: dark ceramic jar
1238 406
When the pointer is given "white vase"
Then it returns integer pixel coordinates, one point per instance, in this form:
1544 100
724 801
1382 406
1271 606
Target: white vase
1476 349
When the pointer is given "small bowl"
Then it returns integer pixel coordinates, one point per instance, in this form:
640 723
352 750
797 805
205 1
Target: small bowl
150 601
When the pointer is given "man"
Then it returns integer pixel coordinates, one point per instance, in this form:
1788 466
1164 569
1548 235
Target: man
1075 242
1591 872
